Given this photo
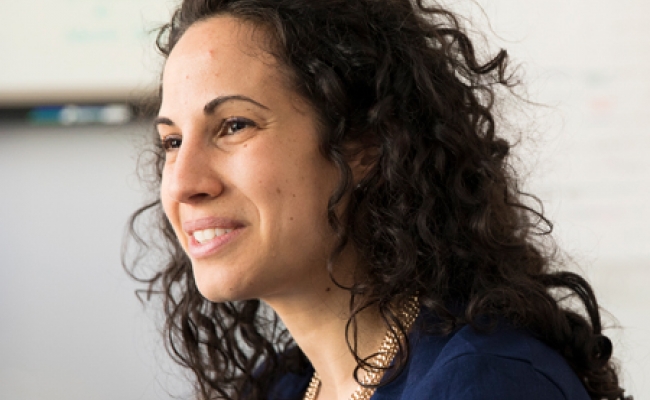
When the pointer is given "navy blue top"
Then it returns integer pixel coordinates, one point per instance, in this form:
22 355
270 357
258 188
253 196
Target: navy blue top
506 364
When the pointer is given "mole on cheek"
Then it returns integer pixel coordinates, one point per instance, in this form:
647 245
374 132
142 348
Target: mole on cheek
278 191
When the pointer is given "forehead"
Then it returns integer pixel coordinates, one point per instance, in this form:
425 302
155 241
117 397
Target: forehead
221 54
224 33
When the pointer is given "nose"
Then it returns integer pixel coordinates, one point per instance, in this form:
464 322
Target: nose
191 176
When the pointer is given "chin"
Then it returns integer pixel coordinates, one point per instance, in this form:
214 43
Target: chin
221 291
215 296
216 293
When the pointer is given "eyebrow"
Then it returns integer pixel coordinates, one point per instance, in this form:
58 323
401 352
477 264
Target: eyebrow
211 106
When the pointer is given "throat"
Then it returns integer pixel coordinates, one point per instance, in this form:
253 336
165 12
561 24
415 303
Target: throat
321 389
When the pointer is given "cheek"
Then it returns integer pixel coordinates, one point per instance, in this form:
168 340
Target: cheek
170 208
165 199
275 182
288 183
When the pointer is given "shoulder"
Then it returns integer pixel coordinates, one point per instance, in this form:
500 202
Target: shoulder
290 386
468 365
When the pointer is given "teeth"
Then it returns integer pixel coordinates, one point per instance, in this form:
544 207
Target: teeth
220 232
208 234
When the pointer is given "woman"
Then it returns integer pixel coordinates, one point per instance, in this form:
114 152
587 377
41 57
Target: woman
341 217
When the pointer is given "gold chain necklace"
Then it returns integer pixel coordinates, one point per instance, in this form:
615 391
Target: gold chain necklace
385 355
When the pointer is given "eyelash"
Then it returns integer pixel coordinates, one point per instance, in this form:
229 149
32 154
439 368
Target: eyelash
228 123
172 142
167 143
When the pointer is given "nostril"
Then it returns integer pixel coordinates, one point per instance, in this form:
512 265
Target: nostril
191 176
199 197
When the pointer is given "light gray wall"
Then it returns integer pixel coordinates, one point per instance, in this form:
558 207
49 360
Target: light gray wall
71 327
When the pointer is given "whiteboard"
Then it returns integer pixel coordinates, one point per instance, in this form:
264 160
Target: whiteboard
57 51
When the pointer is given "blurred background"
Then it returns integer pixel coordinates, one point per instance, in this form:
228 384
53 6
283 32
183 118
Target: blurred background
72 73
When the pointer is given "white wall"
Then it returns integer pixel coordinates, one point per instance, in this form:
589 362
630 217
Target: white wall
589 61
71 328
90 50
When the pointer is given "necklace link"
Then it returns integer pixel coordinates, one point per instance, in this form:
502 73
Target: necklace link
384 357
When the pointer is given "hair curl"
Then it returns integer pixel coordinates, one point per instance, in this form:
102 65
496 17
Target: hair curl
439 214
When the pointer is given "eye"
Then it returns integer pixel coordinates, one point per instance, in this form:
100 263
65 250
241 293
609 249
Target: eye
171 142
235 124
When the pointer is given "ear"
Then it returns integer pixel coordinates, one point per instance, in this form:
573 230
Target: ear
361 159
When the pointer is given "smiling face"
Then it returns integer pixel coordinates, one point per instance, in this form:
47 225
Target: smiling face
244 185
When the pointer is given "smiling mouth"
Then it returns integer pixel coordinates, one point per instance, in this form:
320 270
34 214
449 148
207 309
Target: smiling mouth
206 235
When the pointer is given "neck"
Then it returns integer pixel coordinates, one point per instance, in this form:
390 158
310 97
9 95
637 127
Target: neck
317 319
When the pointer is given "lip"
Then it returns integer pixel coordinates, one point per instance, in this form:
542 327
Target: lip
198 250
211 223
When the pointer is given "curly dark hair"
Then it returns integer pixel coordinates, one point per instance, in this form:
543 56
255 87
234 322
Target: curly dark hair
440 214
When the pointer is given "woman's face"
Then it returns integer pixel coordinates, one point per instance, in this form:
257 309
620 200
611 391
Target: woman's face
244 184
